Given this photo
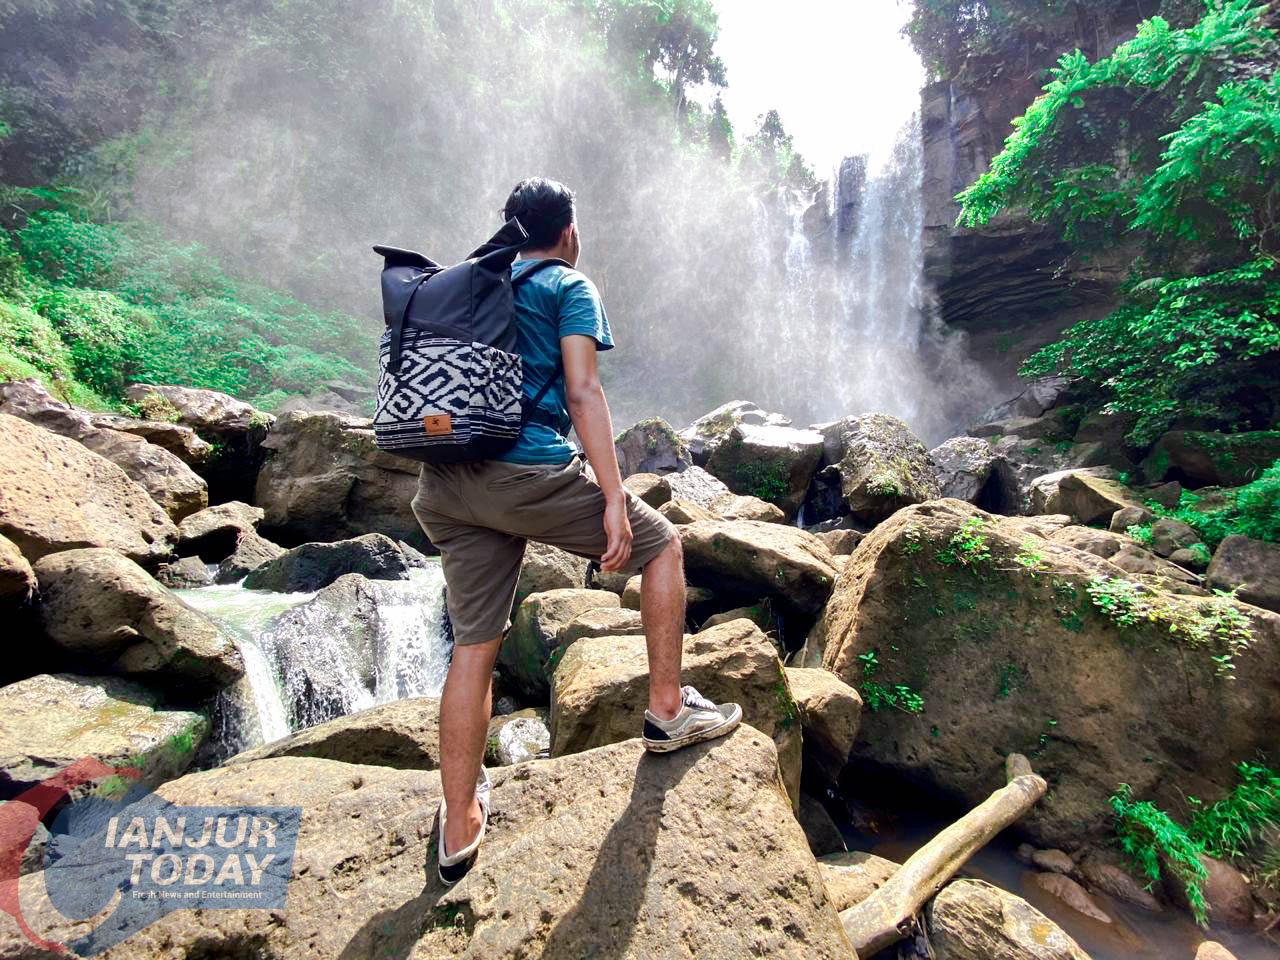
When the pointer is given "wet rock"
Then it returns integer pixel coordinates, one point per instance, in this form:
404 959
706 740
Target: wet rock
651 446
819 829
773 463
549 568
696 486
1070 893
212 533
532 646
1252 565
1127 517
1168 535
627 830
793 568
106 610
326 479
601 689
1227 897
1106 872
882 465
1007 656
649 487
733 506
1201 459
852 877
17 582
830 712
1024 853
250 553
404 734
316 565
235 427
49 721
973 920
1054 861
1212 950
55 494
685 511
165 477
184 574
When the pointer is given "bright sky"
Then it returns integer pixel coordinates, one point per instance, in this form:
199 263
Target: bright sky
837 71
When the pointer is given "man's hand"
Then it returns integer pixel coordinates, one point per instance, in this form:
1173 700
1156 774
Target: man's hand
617 529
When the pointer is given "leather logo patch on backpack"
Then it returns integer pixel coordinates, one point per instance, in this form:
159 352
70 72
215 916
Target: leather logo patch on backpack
437 423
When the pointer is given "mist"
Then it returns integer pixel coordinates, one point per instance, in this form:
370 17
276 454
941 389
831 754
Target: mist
408 121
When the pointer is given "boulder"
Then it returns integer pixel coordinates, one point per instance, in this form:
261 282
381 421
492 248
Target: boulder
1169 494
184 574
49 721
250 553
1168 535
326 479
651 446
600 622
549 568
696 486
17 581
1000 638
1053 861
1042 494
773 463
533 646
761 614
972 920
964 467
1106 872
236 430
213 533
733 506
841 542
852 877
103 608
520 737
582 858
415 559
1199 459
345 648
1091 499
1072 894
649 487
1212 950
819 829
684 511
882 465
166 477
1252 565
830 712
1127 517
705 434
55 494
404 734
316 565
1040 395
753 559
1227 896
1194 558
183 442
601 690
1126 553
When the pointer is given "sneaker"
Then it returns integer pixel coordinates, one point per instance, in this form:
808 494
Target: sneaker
699 719
454 867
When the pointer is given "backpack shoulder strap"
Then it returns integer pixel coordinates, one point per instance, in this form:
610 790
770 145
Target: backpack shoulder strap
528 272
531 405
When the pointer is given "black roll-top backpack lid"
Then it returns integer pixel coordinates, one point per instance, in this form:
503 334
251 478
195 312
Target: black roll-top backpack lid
450 384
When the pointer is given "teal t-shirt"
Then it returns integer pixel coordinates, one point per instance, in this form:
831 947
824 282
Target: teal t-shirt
553 303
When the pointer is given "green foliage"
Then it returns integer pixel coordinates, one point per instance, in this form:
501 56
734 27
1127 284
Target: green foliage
1172 141
1253 511
1224 829
104 335
768 481
877 696
967 546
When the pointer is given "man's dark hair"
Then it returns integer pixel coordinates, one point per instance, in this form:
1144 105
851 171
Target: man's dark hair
543 207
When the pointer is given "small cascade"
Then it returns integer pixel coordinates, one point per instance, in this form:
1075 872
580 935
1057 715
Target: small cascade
312 657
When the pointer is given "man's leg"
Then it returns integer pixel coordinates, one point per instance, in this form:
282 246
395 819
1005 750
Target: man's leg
465 706
662 600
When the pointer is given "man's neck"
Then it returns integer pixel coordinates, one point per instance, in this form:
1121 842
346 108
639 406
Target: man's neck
552 253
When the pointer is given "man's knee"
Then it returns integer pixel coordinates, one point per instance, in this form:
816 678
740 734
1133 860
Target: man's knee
672 551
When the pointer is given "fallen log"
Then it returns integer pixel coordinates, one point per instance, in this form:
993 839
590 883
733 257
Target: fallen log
885 917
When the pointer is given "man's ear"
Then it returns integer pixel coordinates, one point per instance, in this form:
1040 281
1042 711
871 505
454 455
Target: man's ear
566 236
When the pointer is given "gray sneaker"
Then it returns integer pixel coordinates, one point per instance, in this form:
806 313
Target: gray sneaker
699 719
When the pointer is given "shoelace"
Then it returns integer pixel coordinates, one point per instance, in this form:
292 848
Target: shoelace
692 698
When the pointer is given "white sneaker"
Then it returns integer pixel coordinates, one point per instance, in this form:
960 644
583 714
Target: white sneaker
454 867
699 719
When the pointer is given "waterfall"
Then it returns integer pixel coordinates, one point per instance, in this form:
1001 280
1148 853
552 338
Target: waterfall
310 657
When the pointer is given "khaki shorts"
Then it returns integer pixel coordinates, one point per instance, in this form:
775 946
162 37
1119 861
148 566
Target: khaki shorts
479 516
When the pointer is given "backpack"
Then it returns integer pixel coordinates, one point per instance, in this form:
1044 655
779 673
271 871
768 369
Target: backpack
450 384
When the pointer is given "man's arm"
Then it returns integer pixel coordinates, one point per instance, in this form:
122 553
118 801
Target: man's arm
590 414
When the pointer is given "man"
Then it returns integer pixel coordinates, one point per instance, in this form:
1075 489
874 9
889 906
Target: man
480 514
